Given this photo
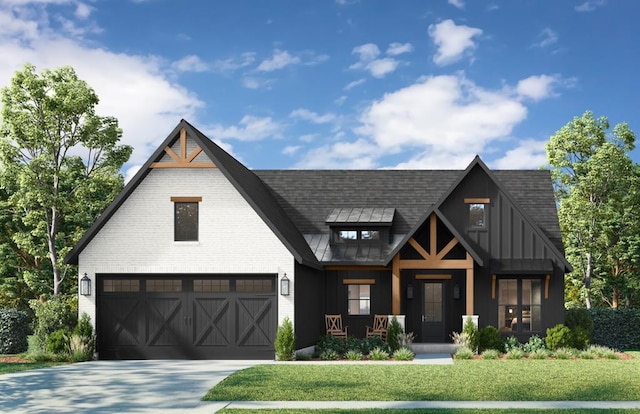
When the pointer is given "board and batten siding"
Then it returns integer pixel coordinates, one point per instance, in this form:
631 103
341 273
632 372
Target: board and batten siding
139 237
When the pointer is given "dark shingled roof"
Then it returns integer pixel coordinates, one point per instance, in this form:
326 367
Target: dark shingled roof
309 196
299 205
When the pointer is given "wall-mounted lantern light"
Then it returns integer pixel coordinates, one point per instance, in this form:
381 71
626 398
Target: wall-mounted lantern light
85 286
409 291
456 291
284 285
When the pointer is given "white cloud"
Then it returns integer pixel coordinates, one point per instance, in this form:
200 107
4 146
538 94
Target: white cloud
190 63
546 37
445 113
251 82
529 154
234 63
251 128
457 3
354 83
378 67
590 5
340 155
537 87
279 60
291 149
83 11
396 48
366 52
341 100
453 41
145 99
311 116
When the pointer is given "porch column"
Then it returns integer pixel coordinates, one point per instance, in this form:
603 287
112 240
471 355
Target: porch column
470 285
395 285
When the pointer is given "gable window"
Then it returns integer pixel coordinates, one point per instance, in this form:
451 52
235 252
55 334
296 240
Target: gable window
348 235
186 218
353 235
477 212
520 305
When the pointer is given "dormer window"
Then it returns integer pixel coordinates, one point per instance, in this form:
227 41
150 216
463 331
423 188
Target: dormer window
360 225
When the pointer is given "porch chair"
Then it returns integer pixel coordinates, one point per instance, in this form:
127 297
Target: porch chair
380 326
334 326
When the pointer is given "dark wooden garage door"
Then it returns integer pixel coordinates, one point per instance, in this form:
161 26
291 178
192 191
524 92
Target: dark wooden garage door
179 317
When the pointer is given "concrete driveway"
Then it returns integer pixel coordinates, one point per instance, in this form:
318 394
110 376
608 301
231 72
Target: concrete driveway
117 387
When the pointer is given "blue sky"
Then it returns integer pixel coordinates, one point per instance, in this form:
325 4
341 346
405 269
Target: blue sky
342 83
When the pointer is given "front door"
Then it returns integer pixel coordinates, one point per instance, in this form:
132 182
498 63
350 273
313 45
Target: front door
433 311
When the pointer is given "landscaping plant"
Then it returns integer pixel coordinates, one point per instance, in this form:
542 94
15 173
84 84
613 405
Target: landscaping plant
379 354
558 337
14 330
471 331
393 331
403 354
489 337
285 341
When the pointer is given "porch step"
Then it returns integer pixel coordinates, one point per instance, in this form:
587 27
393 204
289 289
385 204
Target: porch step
432 348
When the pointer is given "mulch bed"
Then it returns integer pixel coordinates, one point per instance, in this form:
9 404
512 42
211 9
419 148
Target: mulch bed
12 359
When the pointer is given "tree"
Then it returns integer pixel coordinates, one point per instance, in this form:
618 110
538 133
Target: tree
596 188
60 166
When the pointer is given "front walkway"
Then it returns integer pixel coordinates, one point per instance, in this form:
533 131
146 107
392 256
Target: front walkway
164 386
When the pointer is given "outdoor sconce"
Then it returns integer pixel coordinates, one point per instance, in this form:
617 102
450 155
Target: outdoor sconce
85 286
284 285
456 291
409 291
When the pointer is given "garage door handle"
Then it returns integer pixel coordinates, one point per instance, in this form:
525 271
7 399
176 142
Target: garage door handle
187 320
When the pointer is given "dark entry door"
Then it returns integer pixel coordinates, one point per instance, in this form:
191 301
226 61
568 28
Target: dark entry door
433 311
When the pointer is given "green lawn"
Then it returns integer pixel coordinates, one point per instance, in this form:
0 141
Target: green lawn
483 380
9 367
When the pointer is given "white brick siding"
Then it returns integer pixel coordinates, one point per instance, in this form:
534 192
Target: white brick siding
232 237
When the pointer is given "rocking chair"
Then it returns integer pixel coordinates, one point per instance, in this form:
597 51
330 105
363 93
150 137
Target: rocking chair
334 326
380 326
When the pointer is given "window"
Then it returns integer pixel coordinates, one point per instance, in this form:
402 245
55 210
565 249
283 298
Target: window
121 285
477 212
359 299
164 285
254 285
211 285
353 235
186 218
477 218
520 305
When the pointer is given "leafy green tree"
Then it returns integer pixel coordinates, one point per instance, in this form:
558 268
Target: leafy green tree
60 168
595 182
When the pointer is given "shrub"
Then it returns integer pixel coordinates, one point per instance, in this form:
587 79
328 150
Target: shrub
354 344
331 343
285 341
403 354
369 344
540 353
379 354
558 337
586 355
84 332
512 343
580 337
579 318
564 353
462 339
58 342
515 353
353 355
489 337
406 339
600 351
471 330
616 328
491 354
393 331
329 355
464 353
57 313
14 330
79 349
533 344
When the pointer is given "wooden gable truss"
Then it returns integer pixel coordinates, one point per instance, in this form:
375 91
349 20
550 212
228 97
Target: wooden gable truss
183 160
432 260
